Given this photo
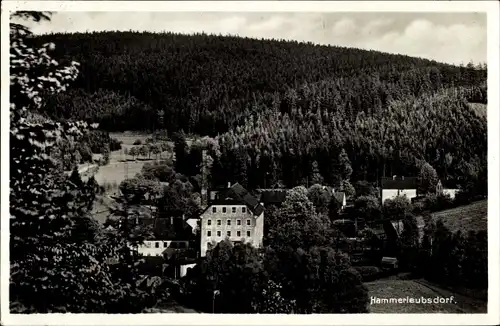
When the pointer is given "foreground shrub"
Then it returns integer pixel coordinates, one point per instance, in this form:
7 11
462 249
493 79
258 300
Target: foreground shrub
369 273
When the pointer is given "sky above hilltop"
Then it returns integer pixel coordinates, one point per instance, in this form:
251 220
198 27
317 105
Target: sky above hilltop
447 37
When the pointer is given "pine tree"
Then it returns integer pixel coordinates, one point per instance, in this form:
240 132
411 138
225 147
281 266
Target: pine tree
316 177
427 179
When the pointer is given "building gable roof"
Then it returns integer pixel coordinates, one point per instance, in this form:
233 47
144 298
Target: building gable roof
241 194
163 229
399 183
236 194
339 196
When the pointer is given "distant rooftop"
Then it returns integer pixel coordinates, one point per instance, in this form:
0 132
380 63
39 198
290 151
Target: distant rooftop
339 196
272 196
401 182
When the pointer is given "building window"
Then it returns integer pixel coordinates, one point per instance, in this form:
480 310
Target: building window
214 209
228 222
165 244
238 222
249 222
219 222
224 209
228 233
182 245
157 245
238 233
243 209
209 222
248 233
234 210
209 233
218 233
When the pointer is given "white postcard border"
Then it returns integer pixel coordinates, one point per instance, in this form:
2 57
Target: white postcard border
491 8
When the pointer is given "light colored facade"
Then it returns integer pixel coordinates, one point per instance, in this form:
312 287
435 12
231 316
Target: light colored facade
393 193
451 192
183 269
235 222
194 224
341 198
398 186
157 247
440 189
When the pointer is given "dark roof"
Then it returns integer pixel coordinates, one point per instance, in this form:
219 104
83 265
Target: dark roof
163 230
399 183
236 194
272 196
239 193
339 196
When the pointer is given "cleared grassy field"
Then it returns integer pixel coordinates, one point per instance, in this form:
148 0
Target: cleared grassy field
395 288
122 166
465 218
116 172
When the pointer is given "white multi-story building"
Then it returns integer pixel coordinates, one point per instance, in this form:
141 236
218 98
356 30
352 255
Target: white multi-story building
232 214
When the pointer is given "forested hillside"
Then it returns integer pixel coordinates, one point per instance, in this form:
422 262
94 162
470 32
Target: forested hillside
206 84
284 110
395 141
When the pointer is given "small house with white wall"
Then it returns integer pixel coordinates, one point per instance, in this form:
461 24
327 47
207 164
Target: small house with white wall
341 198
398 186
158 247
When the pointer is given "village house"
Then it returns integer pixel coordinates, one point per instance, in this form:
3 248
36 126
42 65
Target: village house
341 198
402 186
166 234
446 188
168 250
158 247
234 214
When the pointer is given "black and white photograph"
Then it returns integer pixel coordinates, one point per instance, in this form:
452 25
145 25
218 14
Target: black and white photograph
216 162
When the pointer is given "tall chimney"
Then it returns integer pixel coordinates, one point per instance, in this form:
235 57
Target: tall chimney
204 190
402 177
394 177
229 184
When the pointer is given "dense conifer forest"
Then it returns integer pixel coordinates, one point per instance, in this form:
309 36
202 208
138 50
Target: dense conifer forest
282 109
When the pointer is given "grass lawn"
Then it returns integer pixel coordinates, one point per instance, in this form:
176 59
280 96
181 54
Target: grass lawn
116 172
472 217
121 165
396 288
